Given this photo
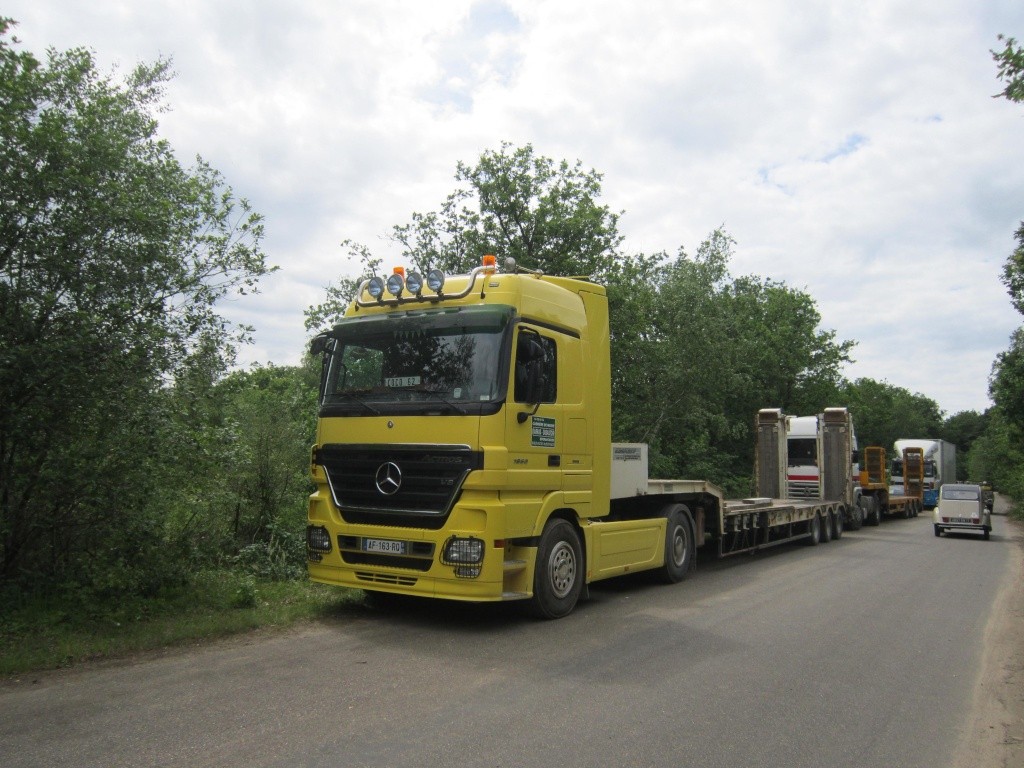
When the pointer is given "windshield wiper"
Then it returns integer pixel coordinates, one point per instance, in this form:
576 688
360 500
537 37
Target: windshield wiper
440 396
358 399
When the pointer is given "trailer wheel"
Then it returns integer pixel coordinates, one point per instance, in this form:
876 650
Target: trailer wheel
826 528
558 576
837 524
680 547
814 528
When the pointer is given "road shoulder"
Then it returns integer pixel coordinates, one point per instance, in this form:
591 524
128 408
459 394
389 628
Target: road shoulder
996 730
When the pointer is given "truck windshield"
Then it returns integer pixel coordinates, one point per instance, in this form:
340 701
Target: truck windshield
441 361
803 451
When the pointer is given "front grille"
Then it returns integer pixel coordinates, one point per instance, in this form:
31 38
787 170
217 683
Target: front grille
387 578
396 485
803 490
389 561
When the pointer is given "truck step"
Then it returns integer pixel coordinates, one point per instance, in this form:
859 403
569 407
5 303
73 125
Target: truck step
514 595
511 566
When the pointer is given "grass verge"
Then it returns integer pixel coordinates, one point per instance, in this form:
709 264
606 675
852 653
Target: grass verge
63 630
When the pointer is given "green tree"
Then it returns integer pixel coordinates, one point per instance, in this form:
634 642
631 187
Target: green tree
884 413
113 258
1007 381
511 203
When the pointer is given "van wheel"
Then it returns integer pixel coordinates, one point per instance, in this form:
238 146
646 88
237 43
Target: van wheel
938 531
987 532
558 576
680 547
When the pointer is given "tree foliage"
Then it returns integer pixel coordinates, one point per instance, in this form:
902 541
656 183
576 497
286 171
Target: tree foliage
884 413
513 203
113 258
1007 380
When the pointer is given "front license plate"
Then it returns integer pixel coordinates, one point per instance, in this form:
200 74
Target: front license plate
385 546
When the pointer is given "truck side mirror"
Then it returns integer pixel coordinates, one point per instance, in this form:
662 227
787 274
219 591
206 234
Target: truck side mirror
321 343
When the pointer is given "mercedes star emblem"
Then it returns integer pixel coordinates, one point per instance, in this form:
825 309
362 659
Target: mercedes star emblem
389 478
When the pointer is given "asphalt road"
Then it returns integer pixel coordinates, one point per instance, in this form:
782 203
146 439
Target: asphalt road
861 652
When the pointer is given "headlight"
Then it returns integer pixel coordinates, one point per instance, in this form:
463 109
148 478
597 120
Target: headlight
318 539
462 551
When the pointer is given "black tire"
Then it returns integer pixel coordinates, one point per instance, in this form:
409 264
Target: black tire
874 512
814 528
558 576
938 531
837 524
680 547
856 517
987 532
826 528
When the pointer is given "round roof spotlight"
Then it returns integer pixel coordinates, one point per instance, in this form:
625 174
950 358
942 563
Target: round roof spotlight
435 280
395 284
414 282
375 287
510 264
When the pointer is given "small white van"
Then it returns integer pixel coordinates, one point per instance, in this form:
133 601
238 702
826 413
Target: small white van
962 506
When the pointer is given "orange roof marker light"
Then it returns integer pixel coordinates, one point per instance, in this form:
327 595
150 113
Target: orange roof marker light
489 262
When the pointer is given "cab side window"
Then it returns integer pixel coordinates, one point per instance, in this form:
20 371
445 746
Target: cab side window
536 368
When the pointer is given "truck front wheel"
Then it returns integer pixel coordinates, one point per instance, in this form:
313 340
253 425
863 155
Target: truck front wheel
680 547
558 576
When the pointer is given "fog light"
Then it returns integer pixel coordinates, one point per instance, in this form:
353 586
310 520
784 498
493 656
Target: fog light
463 551
395 284
467 571
317 539
435 280
375 287
414 282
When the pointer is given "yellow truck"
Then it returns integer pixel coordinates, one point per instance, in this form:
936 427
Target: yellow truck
463 451
875 486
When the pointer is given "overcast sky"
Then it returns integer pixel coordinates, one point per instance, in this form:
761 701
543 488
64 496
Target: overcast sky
852 148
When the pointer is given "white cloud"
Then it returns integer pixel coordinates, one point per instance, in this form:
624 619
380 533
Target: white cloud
852 148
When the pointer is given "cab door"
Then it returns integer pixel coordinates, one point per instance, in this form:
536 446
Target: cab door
534 424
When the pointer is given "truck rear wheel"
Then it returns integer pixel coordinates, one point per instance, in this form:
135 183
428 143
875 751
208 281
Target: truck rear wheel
680 547
826 528
837 524
814 528
874 515
558 575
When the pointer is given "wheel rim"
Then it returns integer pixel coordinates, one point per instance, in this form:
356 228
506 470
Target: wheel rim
562 569
680 545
